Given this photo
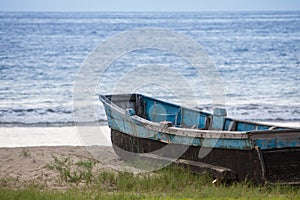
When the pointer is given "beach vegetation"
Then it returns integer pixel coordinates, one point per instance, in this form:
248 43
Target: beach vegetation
168 183
25 152
71 171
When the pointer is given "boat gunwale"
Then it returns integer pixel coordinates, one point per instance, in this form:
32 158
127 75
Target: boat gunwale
190 132
194 132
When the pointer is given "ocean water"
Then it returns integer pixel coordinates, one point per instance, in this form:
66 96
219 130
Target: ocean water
256 53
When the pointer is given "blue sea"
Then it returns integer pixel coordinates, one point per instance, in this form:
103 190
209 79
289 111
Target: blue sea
256 53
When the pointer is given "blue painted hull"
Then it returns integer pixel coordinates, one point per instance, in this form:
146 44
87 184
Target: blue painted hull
142 124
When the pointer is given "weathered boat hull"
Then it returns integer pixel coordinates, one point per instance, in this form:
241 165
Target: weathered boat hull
248 164
281 165
260 154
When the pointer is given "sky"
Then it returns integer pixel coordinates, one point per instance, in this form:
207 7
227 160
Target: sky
148 5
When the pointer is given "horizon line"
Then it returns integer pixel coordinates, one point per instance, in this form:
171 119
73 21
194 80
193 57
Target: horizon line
267 10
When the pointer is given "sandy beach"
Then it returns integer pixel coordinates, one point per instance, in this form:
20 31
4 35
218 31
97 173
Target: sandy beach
25 153
20 166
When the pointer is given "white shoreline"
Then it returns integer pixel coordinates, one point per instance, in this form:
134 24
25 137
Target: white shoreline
52 136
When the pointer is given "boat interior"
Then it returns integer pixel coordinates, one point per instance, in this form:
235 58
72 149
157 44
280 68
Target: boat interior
159 111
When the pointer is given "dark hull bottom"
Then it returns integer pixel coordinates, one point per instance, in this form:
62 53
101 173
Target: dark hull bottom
254 165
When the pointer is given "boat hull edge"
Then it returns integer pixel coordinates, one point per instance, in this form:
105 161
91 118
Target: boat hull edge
246 164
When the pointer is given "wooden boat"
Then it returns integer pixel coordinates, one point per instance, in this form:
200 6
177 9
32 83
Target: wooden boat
244 150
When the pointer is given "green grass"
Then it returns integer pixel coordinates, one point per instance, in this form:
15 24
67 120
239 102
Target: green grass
168 183
25 152
71 171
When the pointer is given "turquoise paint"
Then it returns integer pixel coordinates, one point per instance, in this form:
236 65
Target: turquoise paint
277 143
191 118
130 112
180 116
126 125
158 111
242 144
182 140
241 126
218 119
227 124
262 127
